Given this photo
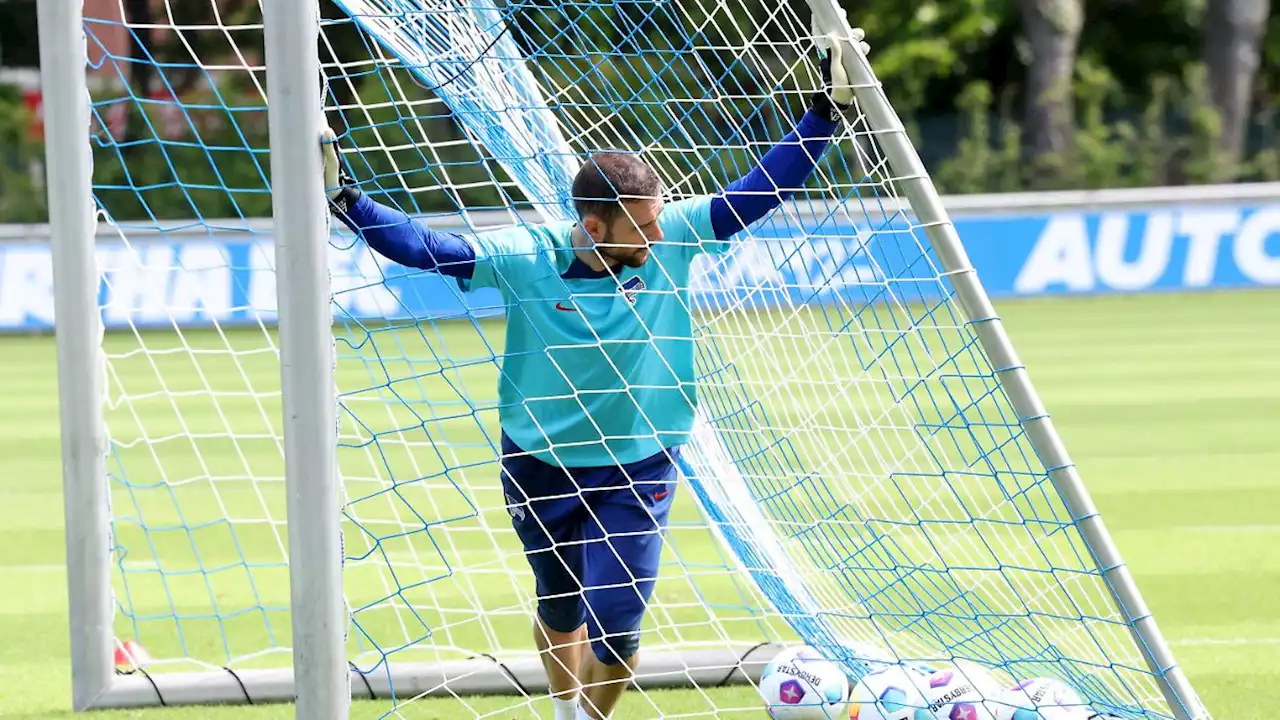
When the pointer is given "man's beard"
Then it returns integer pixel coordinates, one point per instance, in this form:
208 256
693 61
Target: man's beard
629 257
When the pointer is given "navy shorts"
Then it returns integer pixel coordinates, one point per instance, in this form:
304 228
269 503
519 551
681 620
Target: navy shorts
593 537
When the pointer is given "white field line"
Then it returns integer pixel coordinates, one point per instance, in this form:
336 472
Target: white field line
1258 528
1261 528
398 557
1195 642
1226 642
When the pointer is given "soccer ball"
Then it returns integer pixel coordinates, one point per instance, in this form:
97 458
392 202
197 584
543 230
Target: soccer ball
911 692
800 684
982 679
1041 699
891 693
959 693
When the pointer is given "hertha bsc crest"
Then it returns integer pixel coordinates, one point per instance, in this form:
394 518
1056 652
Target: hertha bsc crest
515 508
631 288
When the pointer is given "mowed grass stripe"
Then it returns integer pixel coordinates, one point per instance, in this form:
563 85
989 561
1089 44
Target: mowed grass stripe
1162 464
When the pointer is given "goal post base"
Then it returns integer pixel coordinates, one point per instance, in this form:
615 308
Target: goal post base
476 676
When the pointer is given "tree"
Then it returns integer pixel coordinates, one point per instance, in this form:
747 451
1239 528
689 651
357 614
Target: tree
1052 30
17 35
926 53
139 19
1233 33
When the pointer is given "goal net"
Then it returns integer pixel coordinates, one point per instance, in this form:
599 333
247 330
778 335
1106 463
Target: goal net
861 479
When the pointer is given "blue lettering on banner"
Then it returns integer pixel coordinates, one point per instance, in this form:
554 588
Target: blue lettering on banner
232 281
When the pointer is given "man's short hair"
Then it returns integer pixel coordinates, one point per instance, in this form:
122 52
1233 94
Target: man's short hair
608 179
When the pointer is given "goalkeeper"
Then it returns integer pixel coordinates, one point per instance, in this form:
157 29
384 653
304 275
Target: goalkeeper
596 390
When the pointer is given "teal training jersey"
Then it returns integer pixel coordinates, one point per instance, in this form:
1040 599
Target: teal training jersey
596 371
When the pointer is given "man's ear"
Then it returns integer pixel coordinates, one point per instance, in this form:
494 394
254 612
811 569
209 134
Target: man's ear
594 226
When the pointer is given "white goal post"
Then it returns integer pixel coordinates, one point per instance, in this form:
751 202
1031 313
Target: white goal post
330 643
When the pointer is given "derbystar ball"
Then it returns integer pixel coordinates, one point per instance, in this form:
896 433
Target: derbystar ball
1041 699
891 693
800 684
959 693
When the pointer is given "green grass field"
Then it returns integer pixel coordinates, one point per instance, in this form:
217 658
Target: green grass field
1169 404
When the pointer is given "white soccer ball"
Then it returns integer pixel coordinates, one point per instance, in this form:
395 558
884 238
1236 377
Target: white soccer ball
800 684
959 693
982 678
962 691
891 693
1041 699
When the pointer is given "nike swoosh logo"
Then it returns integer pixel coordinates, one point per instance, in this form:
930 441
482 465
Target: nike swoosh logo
661 494
560 306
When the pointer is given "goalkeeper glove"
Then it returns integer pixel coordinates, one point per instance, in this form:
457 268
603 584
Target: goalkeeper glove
836 95
339 186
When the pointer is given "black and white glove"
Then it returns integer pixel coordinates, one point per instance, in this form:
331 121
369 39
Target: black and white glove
836 95
339 186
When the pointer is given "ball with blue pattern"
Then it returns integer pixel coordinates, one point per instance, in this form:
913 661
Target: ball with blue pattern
890 693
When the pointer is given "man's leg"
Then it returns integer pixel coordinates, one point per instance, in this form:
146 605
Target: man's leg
559 630
561 657
547 515
603 685
624 545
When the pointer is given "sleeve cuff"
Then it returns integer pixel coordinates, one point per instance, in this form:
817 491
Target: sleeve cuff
346 201
813 125
479 266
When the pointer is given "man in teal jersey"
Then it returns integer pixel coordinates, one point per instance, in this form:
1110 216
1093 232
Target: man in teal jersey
597 386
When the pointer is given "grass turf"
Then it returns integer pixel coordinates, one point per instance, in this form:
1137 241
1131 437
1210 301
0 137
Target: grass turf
1167 403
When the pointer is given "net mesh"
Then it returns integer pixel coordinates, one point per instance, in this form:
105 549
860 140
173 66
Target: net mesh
858 479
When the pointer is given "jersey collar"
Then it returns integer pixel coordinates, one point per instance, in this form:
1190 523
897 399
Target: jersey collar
578 270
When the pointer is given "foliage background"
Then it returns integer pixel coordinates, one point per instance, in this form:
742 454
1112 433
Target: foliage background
1139 105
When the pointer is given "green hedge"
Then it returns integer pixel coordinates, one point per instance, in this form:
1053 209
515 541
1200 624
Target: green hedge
22 193
218 166
1173 140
